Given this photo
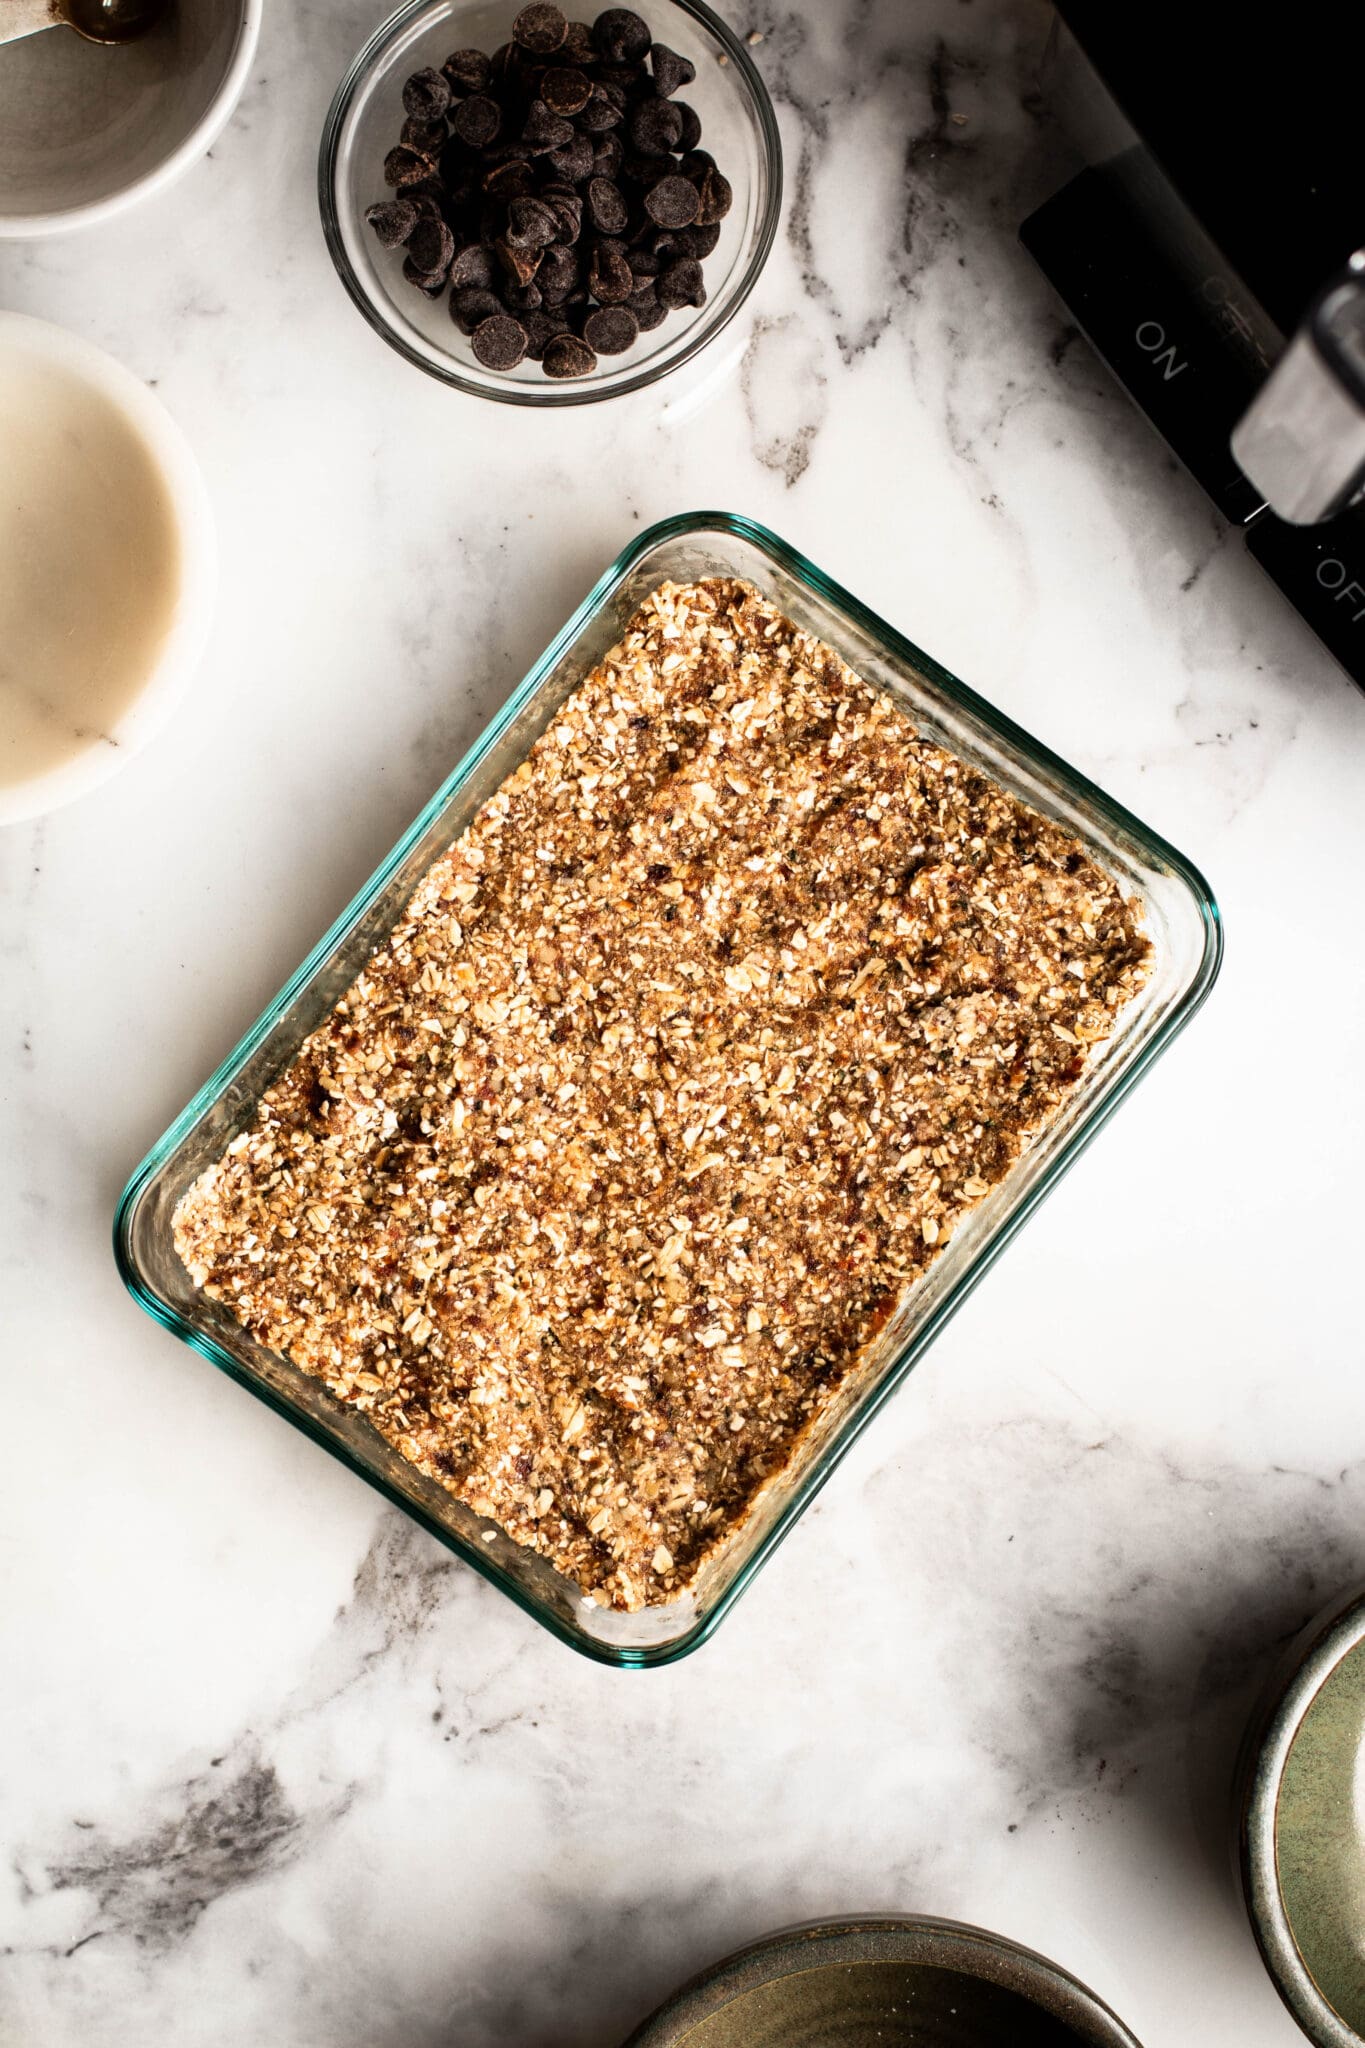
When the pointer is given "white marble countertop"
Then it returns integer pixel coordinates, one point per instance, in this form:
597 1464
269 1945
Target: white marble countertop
276 1767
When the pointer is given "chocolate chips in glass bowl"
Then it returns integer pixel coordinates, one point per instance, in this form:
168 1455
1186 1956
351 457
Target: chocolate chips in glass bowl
556 189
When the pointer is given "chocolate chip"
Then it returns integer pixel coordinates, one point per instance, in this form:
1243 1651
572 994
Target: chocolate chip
611 330
404 166
469 308
567 356
540 29
607 156
590 221
609 275
510 180
477 120
565 92
681 284
697 241
499 342
607 209
567 208
393 220
621 36
654 127
431 246
674 202
531 224
504 68
465 71
574 161
433 283
541 327
691 125
600 114
426 137
473 267
557 275
715 196
670 70
643 170
521 265
543 130
647 310
426 94
623 82
577 46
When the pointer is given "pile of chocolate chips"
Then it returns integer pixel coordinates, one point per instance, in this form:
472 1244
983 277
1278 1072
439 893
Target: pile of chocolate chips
557 188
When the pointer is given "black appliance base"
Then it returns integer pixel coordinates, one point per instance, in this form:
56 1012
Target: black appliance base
1177 351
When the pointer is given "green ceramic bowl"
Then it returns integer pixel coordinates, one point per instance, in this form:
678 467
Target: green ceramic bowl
879 1983
1302 1825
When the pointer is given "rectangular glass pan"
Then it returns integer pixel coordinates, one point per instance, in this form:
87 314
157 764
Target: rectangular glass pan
1182 923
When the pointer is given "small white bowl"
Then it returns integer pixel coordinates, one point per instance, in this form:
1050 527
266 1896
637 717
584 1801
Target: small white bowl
86 130
27 342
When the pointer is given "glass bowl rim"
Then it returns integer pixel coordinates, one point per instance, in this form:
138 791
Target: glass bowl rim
695 338
1116 815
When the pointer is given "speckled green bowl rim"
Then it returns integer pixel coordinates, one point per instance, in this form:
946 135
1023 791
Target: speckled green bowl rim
1295 1683
886 1938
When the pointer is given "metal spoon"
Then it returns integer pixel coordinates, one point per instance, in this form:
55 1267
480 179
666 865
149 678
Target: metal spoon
99 21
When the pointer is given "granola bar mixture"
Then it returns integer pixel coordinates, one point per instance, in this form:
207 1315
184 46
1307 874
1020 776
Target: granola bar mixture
685 1061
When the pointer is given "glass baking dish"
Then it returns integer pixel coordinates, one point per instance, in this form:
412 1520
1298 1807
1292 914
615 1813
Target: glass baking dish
1182 923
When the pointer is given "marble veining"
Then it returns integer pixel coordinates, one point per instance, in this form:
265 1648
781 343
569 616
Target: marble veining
277 1767
219 1832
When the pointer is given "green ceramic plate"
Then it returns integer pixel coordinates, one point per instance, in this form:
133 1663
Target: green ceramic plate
1303 1826
880 1983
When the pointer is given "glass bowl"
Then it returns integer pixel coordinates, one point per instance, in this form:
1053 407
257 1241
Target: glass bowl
1181 923
363 123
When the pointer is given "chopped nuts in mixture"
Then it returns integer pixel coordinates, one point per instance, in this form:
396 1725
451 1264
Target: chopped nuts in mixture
684 1063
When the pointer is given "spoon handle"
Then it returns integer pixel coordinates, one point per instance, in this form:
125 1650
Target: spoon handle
26 17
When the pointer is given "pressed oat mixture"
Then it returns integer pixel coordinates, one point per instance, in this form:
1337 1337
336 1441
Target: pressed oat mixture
682 1065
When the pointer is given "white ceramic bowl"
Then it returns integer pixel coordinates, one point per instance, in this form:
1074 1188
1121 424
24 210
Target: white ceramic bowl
192 574
86 130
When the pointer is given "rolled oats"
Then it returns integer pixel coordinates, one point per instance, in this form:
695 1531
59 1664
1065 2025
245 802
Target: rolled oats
682 1065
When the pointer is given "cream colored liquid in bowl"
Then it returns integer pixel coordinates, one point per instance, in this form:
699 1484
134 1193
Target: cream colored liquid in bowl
90 566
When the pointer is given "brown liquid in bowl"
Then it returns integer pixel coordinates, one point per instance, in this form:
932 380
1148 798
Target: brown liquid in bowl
113 21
